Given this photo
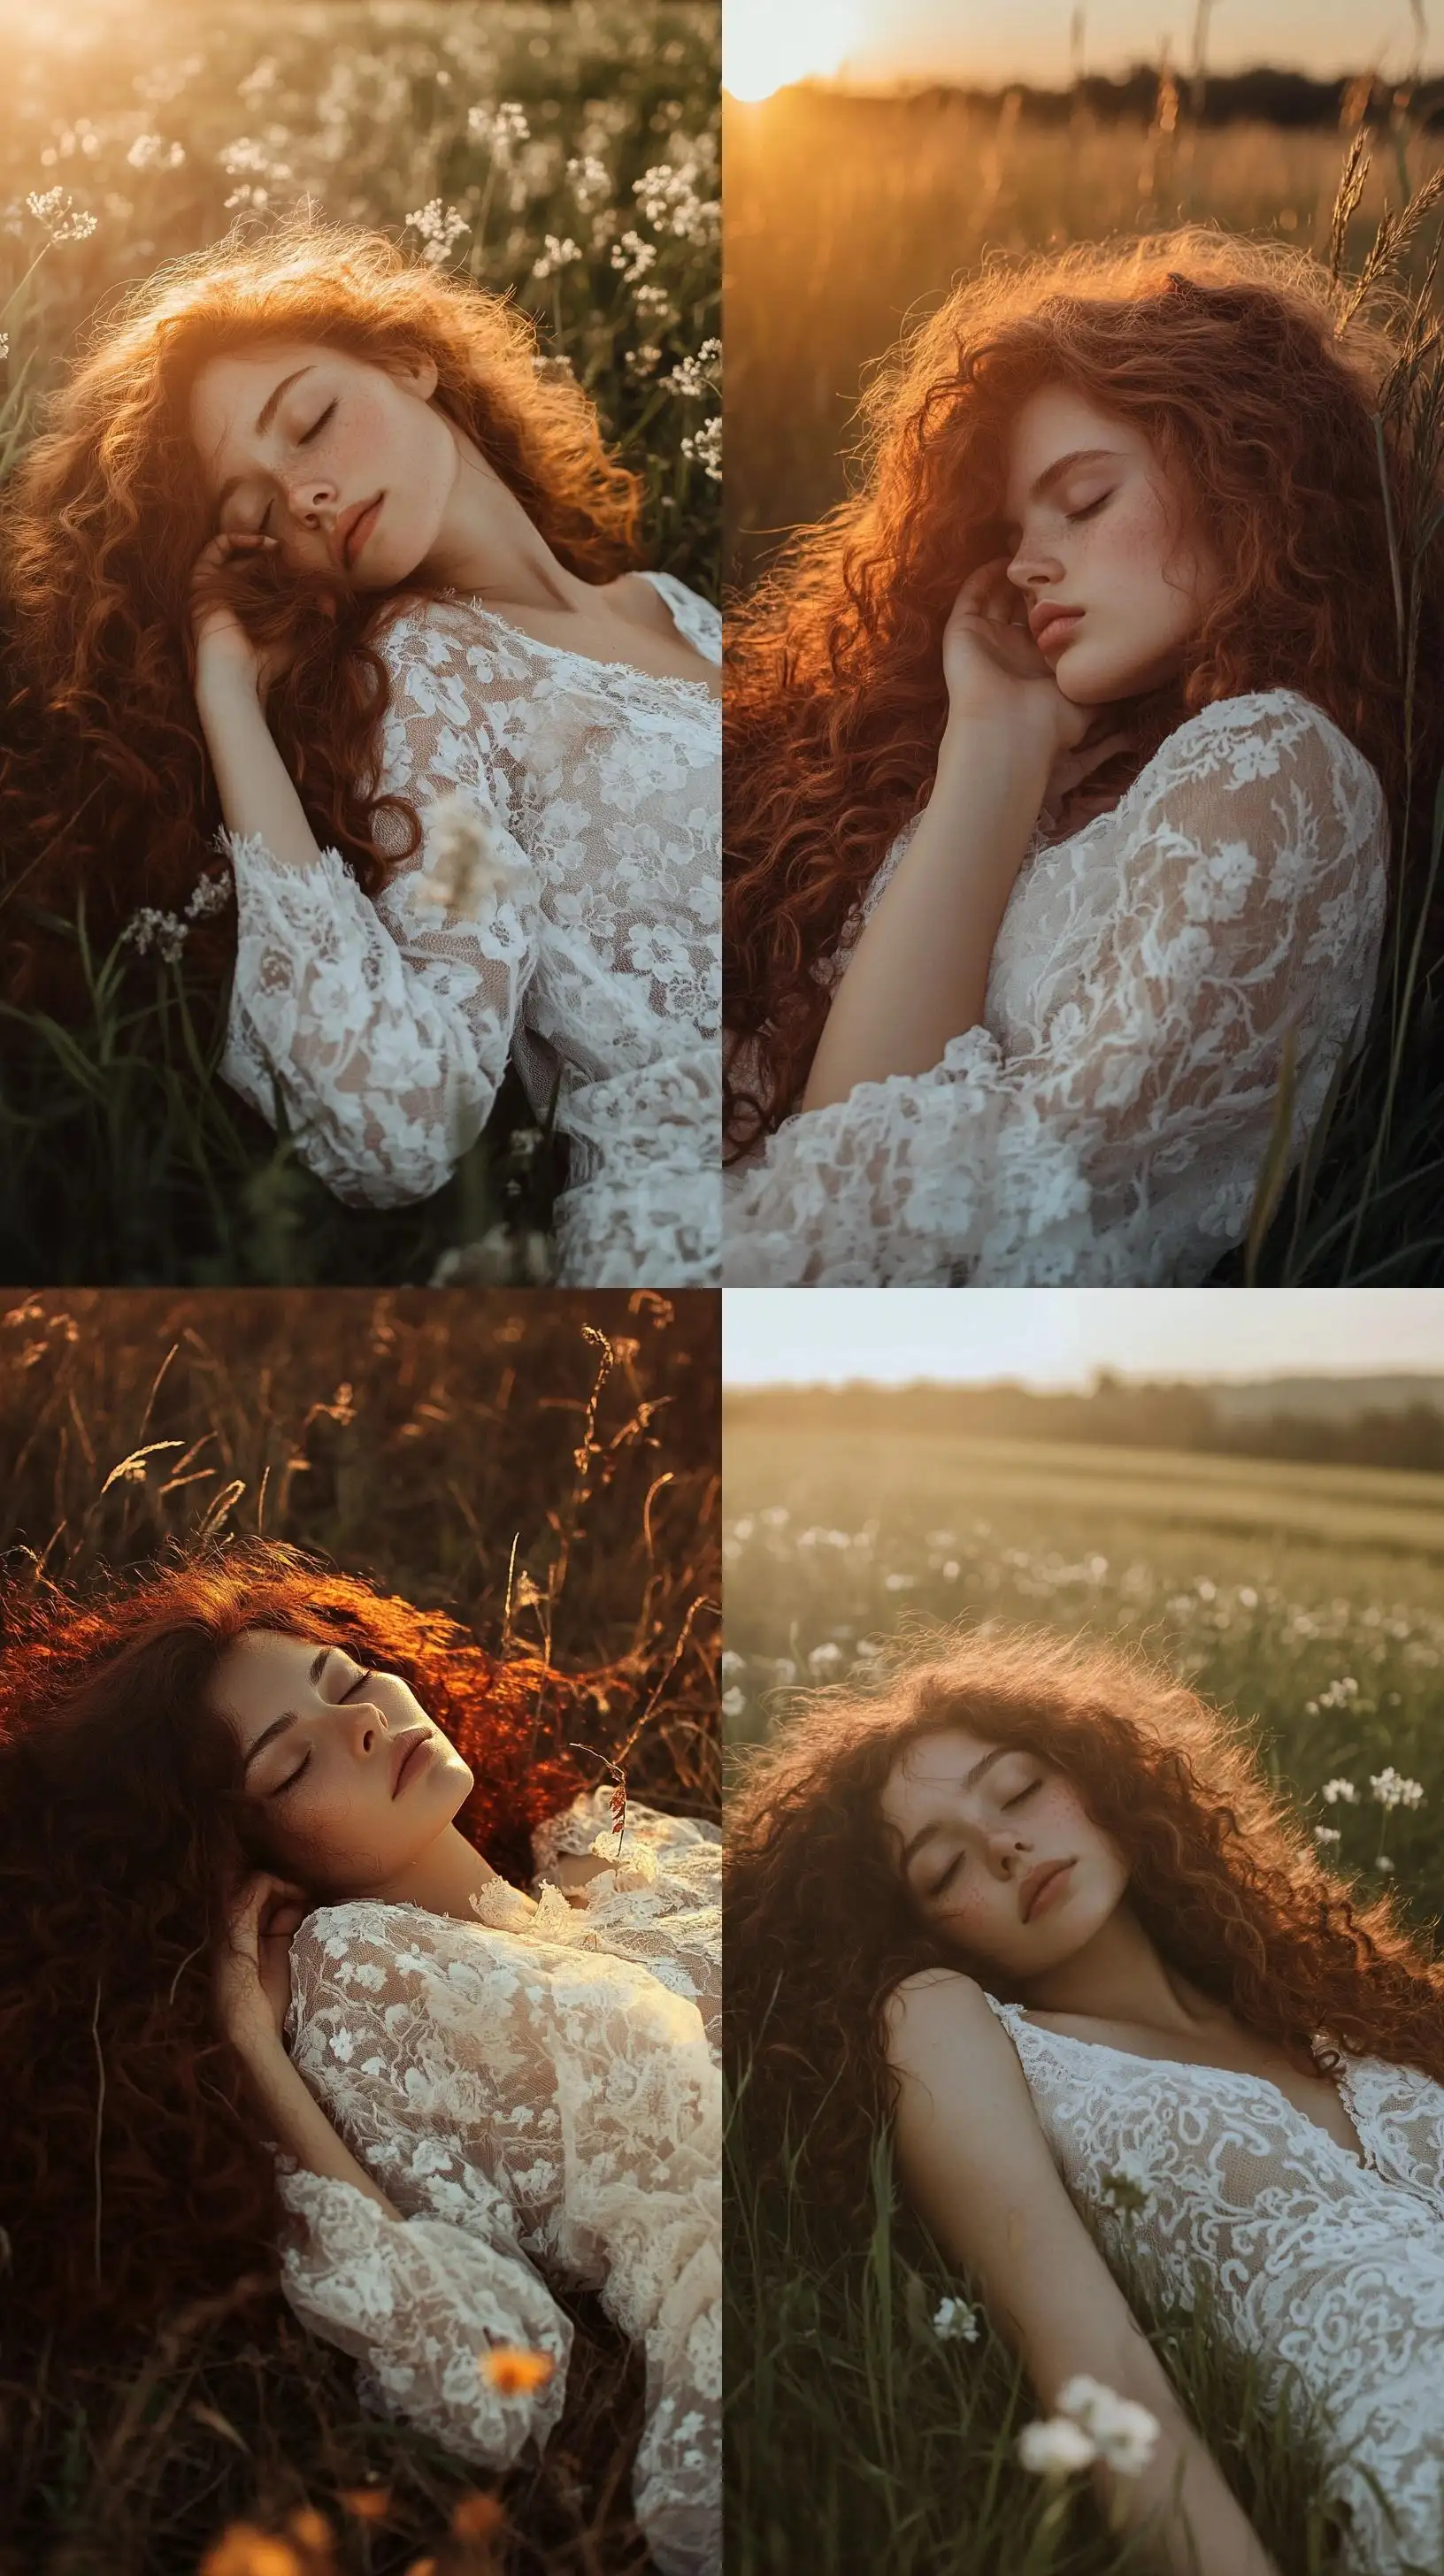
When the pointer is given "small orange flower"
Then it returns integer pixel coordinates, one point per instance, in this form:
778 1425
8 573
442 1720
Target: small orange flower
478 2517
422 2567
514 2371
311 2529
368 2504
244 2550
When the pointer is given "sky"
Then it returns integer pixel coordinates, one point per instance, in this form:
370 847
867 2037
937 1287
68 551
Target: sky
1058 1337
874 43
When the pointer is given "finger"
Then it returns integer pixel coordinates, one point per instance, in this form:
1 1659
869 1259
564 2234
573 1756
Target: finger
1093 755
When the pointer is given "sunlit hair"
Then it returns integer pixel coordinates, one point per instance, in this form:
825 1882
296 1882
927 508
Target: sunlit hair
136 2174
1224 353
107 791
1227 1885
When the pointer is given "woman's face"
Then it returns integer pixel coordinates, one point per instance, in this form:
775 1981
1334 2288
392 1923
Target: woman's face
348 465
1100 530
349 1781
980 1830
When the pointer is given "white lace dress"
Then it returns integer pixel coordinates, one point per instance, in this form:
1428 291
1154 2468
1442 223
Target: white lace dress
586 946
539 2095
1314 2260
1158 976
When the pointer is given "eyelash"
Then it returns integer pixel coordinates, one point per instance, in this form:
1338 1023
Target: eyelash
1089 510
303 441
282 1786
951 1871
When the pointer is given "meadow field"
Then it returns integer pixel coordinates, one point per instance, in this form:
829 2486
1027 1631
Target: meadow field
850 218
1309 1601
546 1470
511 142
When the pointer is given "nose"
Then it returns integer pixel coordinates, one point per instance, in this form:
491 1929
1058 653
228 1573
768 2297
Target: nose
1005 1849
308 496
368 1728
1032 565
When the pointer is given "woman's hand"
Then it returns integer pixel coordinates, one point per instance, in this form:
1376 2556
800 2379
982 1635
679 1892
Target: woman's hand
995 673
253 1975
224 654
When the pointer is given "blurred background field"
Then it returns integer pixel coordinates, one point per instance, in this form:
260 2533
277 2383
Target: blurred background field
1300 1591
544 1468
849 216
521 133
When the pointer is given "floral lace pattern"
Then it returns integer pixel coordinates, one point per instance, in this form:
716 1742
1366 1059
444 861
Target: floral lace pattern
1158 978
540 2106
590 955
1316 2262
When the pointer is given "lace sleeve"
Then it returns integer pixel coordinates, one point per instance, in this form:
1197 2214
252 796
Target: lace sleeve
420 2306
540 2104
658 1900
380 1031
1222 924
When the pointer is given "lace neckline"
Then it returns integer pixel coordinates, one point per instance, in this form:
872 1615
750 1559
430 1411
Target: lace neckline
1228 2074
1070 840
593 661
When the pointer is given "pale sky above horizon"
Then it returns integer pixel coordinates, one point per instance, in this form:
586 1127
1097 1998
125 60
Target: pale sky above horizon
875 43
1059 1337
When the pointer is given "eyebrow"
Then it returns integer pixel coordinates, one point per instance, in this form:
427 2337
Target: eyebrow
279 1725
264 419
929 1833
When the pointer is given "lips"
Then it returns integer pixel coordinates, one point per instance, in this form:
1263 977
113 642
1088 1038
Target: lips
356 527
1051 624
1037 1882
411 1749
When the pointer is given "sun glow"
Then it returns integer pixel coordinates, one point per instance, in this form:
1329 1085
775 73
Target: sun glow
766 43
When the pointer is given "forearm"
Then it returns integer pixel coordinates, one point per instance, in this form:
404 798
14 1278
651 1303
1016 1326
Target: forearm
301 2125
257 793
919 973
1194 2523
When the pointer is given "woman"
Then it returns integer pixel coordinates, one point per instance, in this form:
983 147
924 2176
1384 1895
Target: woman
310 545
257 1967
1060 765
1031 1903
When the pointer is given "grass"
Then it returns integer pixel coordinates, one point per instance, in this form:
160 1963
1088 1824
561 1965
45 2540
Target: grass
123 1159
1303 1598
848 218
486 1454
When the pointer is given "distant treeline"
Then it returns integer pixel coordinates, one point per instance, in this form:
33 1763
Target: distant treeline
1112 1415
1259 97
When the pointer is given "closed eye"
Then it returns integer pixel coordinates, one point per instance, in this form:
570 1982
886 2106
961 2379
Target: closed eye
282 1786
316 425
1089 511
359 1684
1022 1794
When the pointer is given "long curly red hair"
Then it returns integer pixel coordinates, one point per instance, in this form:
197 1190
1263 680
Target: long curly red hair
1228 1885
136 2177
106 791
1229 356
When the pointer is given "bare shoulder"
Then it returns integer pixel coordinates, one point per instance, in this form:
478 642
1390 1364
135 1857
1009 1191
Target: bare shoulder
938 2005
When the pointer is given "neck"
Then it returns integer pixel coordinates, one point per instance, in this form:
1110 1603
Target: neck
488 546
1119 1976
444 1878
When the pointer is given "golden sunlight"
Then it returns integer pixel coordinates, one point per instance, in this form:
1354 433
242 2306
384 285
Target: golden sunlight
767 43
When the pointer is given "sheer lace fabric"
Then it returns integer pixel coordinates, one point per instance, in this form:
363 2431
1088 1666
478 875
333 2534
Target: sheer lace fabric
543 2108
1159 975
1319 2265
585 946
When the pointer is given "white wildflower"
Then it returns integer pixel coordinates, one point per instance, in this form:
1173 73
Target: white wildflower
167 932
644 361
148 152
1122 2433
591 183
733 1703
633 256
705 447
825 1661
956 2321
733 1667
1393 1790
1327 1834
500 130
63 219
499 1259
695 377
1055 2449
440 227
1385 1864
1334 1790
556 254
467 865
